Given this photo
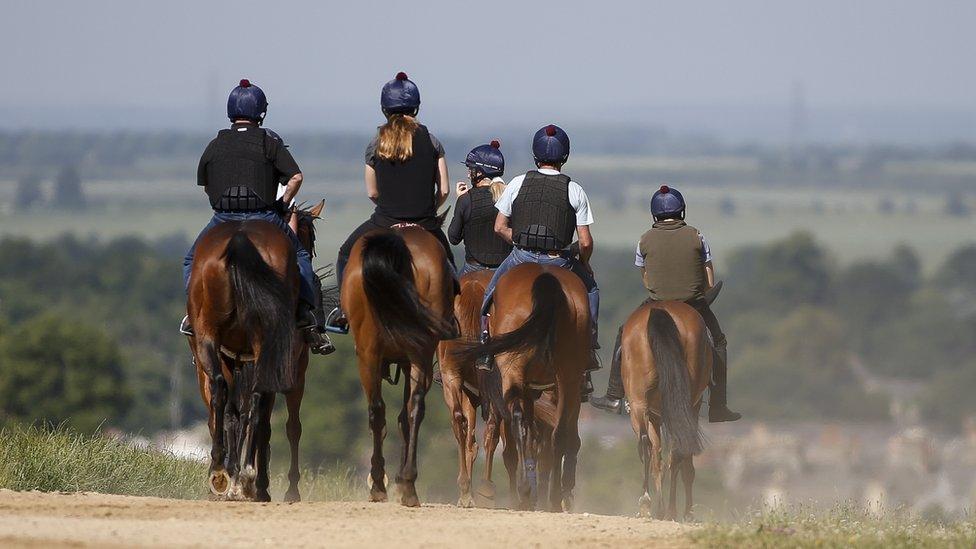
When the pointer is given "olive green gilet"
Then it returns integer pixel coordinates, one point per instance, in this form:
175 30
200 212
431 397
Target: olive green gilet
674 265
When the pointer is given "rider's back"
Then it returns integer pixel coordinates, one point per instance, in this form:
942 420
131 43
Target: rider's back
406 187
674 261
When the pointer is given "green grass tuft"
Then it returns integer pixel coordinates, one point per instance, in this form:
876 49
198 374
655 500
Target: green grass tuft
58 459
842 526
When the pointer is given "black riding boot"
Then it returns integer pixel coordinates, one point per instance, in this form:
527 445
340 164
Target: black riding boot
485 362
311 322
718 410
614 400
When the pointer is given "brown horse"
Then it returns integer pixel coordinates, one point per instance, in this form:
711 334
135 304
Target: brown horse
541 350
242 301
398 293
462 393
666 365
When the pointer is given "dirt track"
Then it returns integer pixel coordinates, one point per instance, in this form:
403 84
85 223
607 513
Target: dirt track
33 519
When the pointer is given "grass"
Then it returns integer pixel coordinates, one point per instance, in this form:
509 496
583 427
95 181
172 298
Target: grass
59 459
842 526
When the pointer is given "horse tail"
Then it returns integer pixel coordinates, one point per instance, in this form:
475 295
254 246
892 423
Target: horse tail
680 422
537 336
263 304
388 281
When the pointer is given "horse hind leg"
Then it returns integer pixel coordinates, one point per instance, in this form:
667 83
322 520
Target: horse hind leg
522 425
461 427
264 448
218 480
677 463
415 416
638 421
293 427
486 491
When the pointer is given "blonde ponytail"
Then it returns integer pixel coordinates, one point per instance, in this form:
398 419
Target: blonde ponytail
395 140
497 188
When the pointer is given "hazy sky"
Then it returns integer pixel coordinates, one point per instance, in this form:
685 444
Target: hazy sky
726 66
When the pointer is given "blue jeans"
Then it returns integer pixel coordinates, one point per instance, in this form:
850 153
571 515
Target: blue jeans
520 256
469 267
305 290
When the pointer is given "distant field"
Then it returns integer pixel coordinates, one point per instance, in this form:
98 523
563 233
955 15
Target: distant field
850 223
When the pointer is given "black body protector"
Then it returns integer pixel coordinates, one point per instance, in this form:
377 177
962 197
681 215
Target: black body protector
407 188
480 240
542 217
241 175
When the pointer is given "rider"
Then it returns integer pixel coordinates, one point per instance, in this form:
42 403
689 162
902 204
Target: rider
475 212
539 212
240 171
676 265
406 177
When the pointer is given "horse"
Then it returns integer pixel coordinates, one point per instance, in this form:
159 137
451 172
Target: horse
666 365
398 290
242 300
462 384
541 350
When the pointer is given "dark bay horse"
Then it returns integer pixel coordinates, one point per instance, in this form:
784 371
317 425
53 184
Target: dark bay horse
398 293
241 302
462 392
541 321
666 365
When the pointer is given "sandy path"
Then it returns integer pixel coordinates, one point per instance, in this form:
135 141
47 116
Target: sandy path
33 519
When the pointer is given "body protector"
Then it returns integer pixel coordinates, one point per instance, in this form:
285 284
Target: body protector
480 239
542 217
406 189
674 264
241 176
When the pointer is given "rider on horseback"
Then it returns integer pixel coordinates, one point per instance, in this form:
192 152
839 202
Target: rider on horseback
240 170
406 177
539 213
676 265
475 212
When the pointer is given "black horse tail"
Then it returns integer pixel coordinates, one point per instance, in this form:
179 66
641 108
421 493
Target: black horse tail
264 305
535 338
680 422
402 320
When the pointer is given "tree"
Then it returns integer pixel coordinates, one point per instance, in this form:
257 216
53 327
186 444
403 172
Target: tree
68 191
28 192
55 370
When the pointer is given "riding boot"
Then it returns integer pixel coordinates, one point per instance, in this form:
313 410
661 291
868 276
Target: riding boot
485 361
614 401
718 410
587 389
311 323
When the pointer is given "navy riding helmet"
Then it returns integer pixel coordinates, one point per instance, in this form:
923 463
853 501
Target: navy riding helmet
400 96
487 159
667 202
550 145
247 101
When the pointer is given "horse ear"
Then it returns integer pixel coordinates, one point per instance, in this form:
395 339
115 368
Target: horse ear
316 210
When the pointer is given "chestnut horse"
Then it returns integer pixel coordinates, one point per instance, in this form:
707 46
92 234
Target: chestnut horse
241 302
462 393
398 291
666 365
541 349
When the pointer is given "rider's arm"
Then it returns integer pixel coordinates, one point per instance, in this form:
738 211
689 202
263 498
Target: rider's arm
291 188
503 228
585 243
372 191
443 182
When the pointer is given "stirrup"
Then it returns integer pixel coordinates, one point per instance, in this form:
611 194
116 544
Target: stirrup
185 327
333 324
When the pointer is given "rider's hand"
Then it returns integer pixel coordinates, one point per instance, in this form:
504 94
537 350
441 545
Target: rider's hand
280 207
461 188
588 267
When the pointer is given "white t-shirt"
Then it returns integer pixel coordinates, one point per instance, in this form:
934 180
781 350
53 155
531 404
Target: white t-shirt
577 198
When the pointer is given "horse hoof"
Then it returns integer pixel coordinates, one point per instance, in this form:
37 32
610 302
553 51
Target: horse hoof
569 500
410 500
465 501
262 496
485 495
377 496
292 496
219 483
644 506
